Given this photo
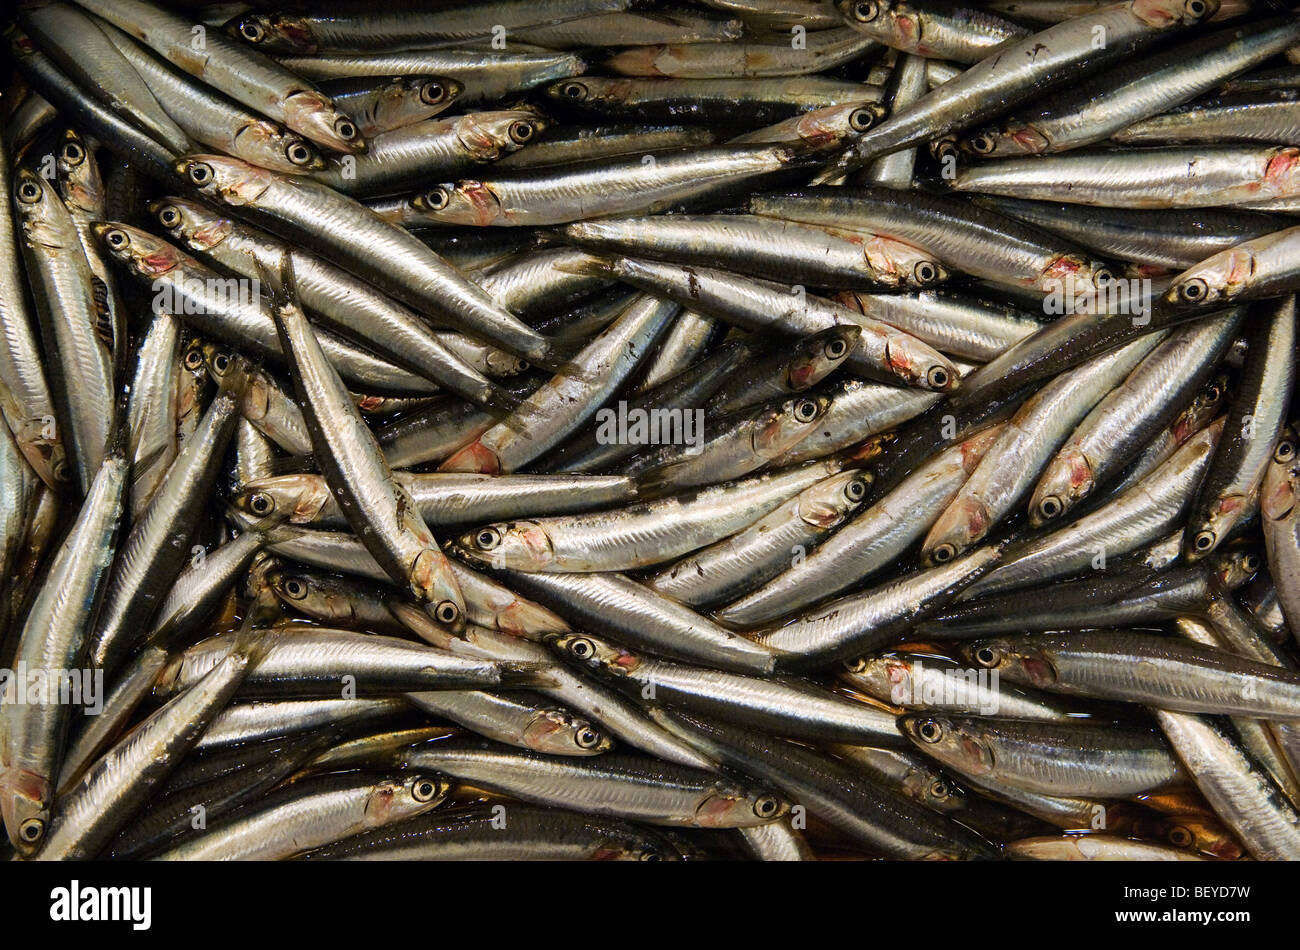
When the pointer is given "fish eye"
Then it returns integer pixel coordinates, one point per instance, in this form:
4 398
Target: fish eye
1213 394
1179 836
1194 291
298 153
252 31
573 90
424 790
860 120
437 199
345 128
73 154
1050 507
925 272
521 132
117 239
651 856
943 553
937 377
193 359
62 473
836 348
855 490
866 11
1285 451
169 216
582 648
587 738
1204 540
432 93
295 588
201 173
221 363
929 730
983 144
1102 276
1195 8
939 790
29 192
260 503
987 656
805 410
488 538
446 612
766 806
1250 563
31 830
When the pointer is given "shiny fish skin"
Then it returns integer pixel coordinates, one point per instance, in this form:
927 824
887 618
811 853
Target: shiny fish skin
62 288
255 81
308 815
619 786
53 638
309 211
1256 415
1157 671
531 834
378 509
1103 760
1014 72
641 534
718 430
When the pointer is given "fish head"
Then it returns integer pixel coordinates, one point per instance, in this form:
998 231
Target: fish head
489 135
586 650
468 202
25 800
319 596
886 678
1199 833
556 732
728 806
1212 524
198 226
397 798
956 742
777 431
273 32
1023 660
79 174
38 205
1068 480
1166 13
298 498
1207 404
962 524
268 145
516 545
231 181
901 264
147 255
1013 139
1281 487
829 502
1219 277
818 355
315 116
889 22
1236 564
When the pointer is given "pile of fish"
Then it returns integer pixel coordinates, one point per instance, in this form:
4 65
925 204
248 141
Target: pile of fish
587 430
